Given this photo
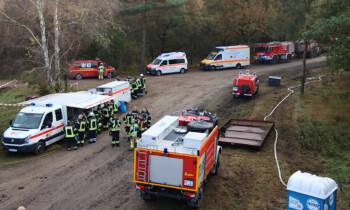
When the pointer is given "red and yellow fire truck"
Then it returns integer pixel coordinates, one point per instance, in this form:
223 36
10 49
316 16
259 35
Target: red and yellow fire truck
89 68
173 159
274 51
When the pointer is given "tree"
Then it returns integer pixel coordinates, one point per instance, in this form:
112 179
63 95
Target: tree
332 28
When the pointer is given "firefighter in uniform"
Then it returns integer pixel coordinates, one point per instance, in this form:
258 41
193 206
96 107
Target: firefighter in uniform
141 124
133 134
101 71
70 132
138 87
143 84
106 116
127 121
128 79
81 124
135 113
92 122
117 78
98 116
134 90
115 129
147 117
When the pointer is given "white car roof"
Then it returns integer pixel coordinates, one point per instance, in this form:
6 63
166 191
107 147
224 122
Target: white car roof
172 55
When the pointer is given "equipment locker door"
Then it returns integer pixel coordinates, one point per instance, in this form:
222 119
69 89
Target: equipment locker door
165 170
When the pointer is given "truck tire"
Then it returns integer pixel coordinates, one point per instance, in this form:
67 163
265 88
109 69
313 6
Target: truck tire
199 126
238 66
182 71
79 77
215 170
146 196
257 90
39 148
197 202
289 58
159 73
109 75
245 89
212 68
274 59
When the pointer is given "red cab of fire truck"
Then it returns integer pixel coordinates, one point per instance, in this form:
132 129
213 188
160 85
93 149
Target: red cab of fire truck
274 51
245 85
89 68
313 49
173 160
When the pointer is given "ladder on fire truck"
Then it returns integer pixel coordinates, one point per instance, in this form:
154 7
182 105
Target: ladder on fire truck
142 165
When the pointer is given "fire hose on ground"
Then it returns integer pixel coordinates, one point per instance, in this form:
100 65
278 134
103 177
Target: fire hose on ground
273 110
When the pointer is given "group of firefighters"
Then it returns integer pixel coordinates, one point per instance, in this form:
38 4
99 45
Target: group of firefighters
137 86
106 117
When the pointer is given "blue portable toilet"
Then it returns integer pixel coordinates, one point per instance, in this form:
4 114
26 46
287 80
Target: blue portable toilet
311 192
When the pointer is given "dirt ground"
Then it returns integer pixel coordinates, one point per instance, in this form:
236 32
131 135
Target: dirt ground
98 176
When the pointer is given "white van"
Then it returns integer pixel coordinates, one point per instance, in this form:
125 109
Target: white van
227 57
166 63
41 123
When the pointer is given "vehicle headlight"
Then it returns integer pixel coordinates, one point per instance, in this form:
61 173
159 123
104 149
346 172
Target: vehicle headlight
26 139
188 182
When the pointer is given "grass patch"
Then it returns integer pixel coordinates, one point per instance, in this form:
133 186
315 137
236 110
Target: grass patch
322 121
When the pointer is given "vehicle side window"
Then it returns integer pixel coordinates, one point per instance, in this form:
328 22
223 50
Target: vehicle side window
93 65
165 62
77 65
172 62
219 57
180 60
58 113
47 120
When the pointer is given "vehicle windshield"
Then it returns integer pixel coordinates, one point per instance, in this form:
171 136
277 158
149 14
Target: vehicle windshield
261 49
156 61
27 120
211 56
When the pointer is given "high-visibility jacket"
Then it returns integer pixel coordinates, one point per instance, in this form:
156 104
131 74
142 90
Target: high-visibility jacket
127 119
147 116
135 113
70 131
101 68
114 122
81 125
138 83
128 79
143 82
92 123
111 107
115 107
105 112
133 129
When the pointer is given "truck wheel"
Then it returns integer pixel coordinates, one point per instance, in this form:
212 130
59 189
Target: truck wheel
257 90
109 75
146 196
238 66
215 169
39 148
182 71
212 68
79 77
199 126
196 203
159 73
274 59
289 58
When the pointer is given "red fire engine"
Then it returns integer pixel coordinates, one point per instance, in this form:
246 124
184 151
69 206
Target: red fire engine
274 51
312 50
173 159
245 85
89 68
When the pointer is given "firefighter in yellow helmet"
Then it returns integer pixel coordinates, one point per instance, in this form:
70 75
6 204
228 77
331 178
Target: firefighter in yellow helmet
101 71
133 134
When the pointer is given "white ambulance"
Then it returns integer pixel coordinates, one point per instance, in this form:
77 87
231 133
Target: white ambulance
40 124
227 57
166 63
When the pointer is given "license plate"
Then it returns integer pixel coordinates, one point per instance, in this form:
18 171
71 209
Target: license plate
12 150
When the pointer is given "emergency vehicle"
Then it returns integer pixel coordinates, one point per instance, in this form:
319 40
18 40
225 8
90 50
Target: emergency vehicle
40 124
245 85
173 62
227 57
120 90
274 51
313 49
173 159
89 68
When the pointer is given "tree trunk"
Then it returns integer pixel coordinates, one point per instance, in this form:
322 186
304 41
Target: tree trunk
40 7
143 42
304 68
57 50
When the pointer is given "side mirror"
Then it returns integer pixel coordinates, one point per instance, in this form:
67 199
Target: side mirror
10 122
